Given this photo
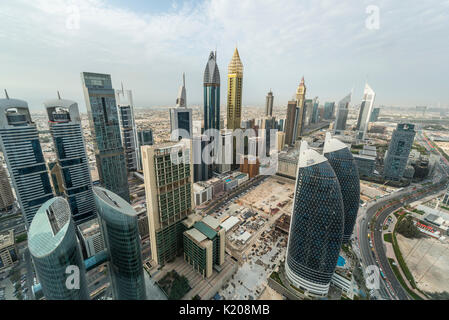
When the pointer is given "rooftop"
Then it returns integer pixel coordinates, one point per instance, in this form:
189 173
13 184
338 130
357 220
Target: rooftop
6 239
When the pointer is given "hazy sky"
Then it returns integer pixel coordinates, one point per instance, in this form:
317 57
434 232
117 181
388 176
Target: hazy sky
45 45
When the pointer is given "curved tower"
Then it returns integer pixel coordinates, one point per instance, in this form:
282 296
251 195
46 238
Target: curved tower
235 82
316 228
211 84
120 229
343 163
54 248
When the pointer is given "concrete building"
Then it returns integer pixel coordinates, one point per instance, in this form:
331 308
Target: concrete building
168 173
105 126
6 196
225 152
64 122
202 192
19 141
396 157
204 244
145 138
91 237
54 249
128 130
8 250
118 222
366 109
280 136
250 165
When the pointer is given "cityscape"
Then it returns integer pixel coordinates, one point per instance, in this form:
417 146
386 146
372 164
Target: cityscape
292 199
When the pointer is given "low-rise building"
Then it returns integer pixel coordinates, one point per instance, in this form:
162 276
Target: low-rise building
91 237
202 193
8 251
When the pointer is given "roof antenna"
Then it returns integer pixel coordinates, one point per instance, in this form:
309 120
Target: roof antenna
6 94
59 96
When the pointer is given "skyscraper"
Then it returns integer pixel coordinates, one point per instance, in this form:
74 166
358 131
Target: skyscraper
235 82
6 196
329 108
269 104
343 163
316 228
342 114
118 221
168 176
55 251
315 113
290 123
374 115
104 123
211 114
19 141
128 131
300 103
365 112
181 116
65 128
308 109
145 138
398 151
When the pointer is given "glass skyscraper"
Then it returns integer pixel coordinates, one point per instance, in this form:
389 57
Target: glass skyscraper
19 141
211 114
181 116
65 127
56 254
343 163
365 112
398 151
104 123
316 228
118 222
342 114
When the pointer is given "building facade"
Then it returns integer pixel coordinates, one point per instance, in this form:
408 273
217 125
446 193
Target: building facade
329 108
290 126
64 122
104 122
316 228
54 249
181 116
19 141
301 112
8 250
6 196
342 114
269 104
118 221
91 237
398 151
345 168
168 173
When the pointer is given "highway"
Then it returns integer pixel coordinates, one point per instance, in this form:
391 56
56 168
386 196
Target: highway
389 288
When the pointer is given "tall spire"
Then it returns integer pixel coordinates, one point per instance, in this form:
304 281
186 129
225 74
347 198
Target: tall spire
181 100
6 94
235 66
59 96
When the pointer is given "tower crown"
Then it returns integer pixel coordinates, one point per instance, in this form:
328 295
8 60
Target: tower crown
211 73
235 66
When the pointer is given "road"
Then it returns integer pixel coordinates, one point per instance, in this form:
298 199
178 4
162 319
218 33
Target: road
391 288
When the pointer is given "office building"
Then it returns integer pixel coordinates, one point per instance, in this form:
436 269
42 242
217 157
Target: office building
398 151
366 109
308 108
19 141
64 122
128 131
8 250
118 222
345 168
269 104
201 170
316 228
329 108
168 173
91 238
6 196
342 114
225 152
375 115
104 122
315 112
235 83
181 116
145 138
290 123
211 83
54 248
280 137
204 244
301 112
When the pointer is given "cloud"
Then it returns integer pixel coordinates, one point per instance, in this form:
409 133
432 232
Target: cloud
279 41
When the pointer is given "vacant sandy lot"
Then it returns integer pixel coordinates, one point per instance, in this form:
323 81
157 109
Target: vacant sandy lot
428 261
